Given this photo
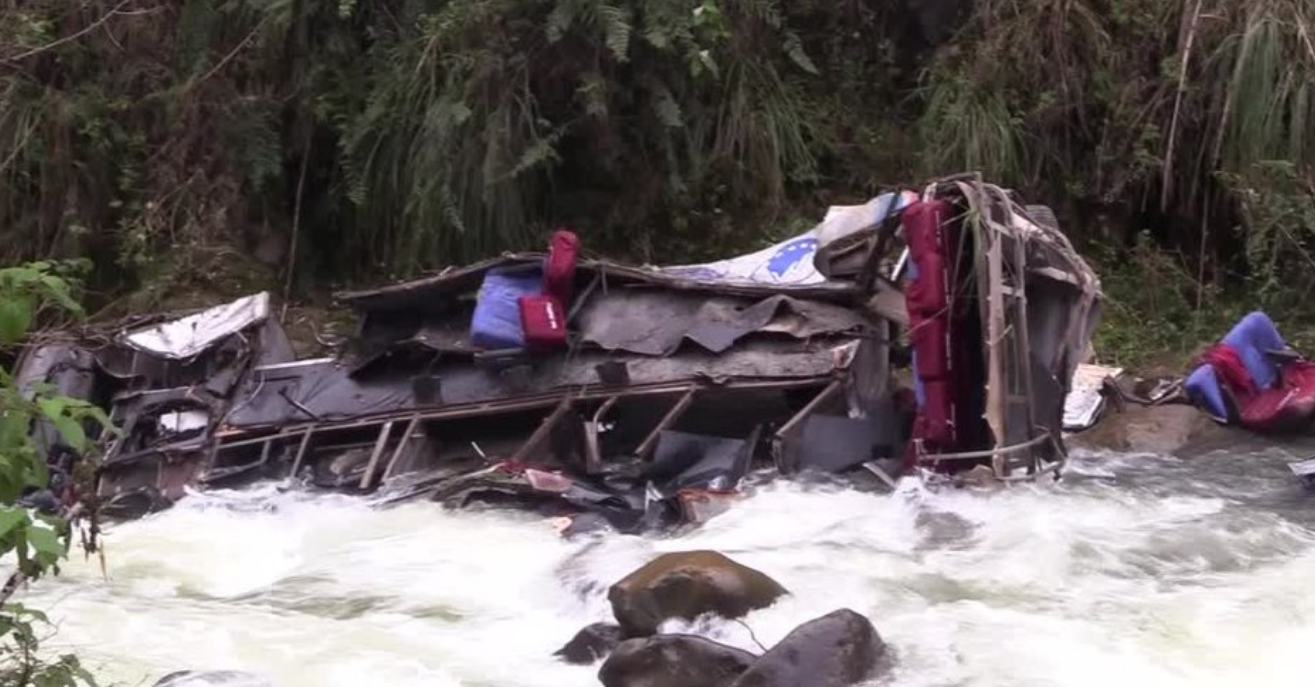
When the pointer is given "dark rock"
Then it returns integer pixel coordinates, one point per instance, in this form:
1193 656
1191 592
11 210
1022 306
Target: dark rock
673 661
591 643
839 649
687 585
217 678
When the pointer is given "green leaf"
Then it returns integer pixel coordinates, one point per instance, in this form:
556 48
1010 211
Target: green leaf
58 290
11 518
47 546
15 316
72 431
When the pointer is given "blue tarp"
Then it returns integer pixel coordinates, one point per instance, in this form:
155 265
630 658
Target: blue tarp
496 323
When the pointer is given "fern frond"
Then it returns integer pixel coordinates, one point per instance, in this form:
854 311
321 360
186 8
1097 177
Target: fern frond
666 108
794 49
561 18
617 29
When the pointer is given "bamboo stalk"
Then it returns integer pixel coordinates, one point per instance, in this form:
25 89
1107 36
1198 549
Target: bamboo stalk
1166 182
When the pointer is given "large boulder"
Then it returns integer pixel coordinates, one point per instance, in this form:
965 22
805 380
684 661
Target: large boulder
839 649
687 585
591 643
673 661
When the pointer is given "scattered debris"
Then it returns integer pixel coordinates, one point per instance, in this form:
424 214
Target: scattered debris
619 396
1305 471
1086 400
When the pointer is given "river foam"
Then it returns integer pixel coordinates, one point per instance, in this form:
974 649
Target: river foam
1134 570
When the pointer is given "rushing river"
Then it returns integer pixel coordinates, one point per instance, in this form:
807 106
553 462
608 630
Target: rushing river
1134 570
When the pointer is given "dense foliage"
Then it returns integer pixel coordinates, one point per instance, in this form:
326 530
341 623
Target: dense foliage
367 138
32 544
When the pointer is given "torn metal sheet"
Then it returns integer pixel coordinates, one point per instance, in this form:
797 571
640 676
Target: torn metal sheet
656 323
192 335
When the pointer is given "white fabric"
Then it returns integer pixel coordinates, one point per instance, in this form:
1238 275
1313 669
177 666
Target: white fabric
187 337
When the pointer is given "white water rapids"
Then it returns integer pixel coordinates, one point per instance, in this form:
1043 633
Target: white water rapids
1134 570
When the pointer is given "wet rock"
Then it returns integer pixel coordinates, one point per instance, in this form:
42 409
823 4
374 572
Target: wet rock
673 661
687 585
591 643
217 678
1164 429
839 649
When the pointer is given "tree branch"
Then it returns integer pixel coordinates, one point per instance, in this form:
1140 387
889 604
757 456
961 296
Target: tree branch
15 581
227 58
72 37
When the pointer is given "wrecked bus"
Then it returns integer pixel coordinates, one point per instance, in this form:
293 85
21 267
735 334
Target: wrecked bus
931 332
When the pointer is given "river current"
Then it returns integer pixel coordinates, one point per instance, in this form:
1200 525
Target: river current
1133 570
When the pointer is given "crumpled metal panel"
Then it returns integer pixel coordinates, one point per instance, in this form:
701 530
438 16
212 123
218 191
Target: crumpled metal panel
658 322
326 390
190 336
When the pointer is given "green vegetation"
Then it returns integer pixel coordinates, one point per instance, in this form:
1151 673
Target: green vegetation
34 544
236 144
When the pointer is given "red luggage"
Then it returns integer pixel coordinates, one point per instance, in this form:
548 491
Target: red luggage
543 321
559 268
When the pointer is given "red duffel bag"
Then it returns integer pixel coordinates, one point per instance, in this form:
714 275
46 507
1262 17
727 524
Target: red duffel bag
543 321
